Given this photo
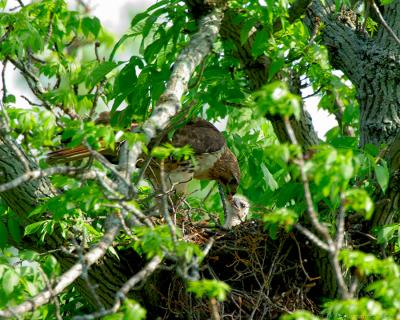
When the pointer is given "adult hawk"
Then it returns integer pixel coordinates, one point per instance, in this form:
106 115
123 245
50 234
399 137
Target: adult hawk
213 160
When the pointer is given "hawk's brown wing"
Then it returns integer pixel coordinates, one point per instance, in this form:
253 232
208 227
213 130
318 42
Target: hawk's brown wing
201 135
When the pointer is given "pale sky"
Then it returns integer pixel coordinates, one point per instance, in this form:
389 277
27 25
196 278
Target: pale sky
115 16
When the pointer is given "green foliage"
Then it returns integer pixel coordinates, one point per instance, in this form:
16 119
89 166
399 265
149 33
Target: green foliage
359 201
158 241
384 299
299 315
389 233
168 150
332 169
75 85
209 288
276 99
371 26
382 175
363 307
131 310
368 264
283 217
23 274
37 125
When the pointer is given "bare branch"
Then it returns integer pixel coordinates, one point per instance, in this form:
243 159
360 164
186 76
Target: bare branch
330 246
3 80
32 80
313 238
49 28
85 275
340 224
307 193
55 298
125 184
37 174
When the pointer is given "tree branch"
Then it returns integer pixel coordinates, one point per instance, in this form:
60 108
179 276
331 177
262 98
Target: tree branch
332 246
170 101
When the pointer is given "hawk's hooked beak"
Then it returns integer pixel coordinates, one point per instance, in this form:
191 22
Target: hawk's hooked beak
231 187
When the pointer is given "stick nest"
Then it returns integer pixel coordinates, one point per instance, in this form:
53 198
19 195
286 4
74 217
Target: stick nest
267 277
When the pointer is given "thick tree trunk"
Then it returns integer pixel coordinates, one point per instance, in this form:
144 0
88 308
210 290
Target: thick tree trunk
372 64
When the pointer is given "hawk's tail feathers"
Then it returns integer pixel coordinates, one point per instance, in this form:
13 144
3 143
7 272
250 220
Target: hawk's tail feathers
67 154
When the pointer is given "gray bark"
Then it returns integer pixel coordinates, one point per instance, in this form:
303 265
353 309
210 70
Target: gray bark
372 63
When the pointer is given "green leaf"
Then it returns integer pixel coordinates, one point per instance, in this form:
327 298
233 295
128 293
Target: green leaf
359 201
101 71
300 315
10 99
115 316
35 227
10 281
3 235
210 288
282 217
29 255
91 25
382 175
133 310
50 266
139 17
14 228
245 29
275 67
161 152
269 178
119 43
387 233
260 43
276 99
